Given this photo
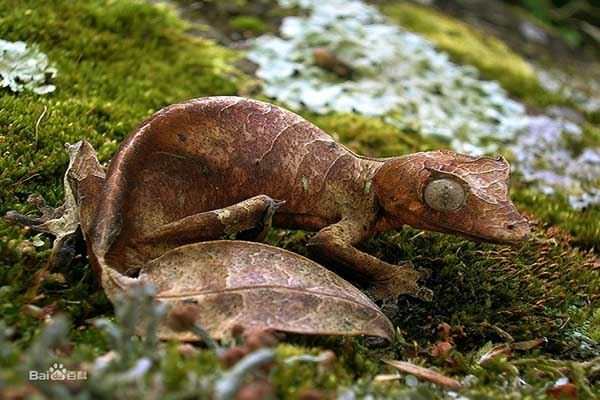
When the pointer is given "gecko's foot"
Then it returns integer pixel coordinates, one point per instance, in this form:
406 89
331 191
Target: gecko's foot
68 240
400 280
376 342
259 232
63 224
39 224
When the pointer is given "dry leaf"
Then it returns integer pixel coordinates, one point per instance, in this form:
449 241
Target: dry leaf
528 345
255 286
501 349
425 374
387 377
567 391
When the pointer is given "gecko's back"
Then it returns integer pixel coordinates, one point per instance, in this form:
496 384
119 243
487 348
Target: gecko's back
214 152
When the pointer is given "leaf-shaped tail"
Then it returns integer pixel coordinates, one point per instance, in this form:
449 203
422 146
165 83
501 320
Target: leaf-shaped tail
256 286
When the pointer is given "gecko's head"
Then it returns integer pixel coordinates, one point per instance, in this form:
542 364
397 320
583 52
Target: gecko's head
452 193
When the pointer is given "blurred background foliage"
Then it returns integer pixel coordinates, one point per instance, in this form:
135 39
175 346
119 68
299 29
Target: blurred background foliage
576 20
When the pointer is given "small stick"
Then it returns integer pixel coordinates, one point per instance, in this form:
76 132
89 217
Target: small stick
37 124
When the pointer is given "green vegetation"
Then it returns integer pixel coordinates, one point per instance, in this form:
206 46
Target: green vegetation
118 62
571 18
248 23
237 19
467 45
372 136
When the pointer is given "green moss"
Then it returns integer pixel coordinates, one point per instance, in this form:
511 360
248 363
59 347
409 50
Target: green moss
290 378
466 45
555 211
176 368
237 19
118 62
372 136
248 23
528 292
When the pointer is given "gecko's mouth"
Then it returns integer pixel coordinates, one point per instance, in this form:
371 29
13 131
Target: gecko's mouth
501 236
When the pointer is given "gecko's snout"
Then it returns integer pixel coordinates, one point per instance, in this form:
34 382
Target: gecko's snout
277 203
516 232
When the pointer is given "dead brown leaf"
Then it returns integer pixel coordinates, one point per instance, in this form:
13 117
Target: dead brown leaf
528 344
501 349
424 374
566 391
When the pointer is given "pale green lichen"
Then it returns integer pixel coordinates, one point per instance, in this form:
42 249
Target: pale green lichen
399 75
491 56
24 67
305 183
580 88
544 157
222 215
368 187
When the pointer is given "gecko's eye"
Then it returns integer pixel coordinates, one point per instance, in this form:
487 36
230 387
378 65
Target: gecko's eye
444 195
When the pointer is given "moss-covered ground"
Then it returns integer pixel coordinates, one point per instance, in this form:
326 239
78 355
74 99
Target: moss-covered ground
118 62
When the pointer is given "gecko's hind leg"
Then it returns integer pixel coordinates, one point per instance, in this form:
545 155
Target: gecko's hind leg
82 183
54 221
250 217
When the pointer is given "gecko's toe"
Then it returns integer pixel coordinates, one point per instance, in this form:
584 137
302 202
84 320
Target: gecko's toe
277 203
390 308
401 280
272 207
14 218
424 274
423 293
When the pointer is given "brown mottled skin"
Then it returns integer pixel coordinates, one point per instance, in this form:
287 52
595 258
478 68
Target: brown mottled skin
205 168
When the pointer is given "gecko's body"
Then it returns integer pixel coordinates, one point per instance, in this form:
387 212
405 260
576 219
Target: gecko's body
208 167
211 153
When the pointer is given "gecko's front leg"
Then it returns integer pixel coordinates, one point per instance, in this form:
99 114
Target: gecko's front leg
387 281
251 218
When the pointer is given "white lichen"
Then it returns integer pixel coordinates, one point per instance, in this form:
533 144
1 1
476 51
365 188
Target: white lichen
398 75
24 67
545 158
582 90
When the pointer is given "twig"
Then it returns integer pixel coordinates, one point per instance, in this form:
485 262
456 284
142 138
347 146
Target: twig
37 124
424 373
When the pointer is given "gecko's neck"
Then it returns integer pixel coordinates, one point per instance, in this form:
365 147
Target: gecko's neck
369 169
370 165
